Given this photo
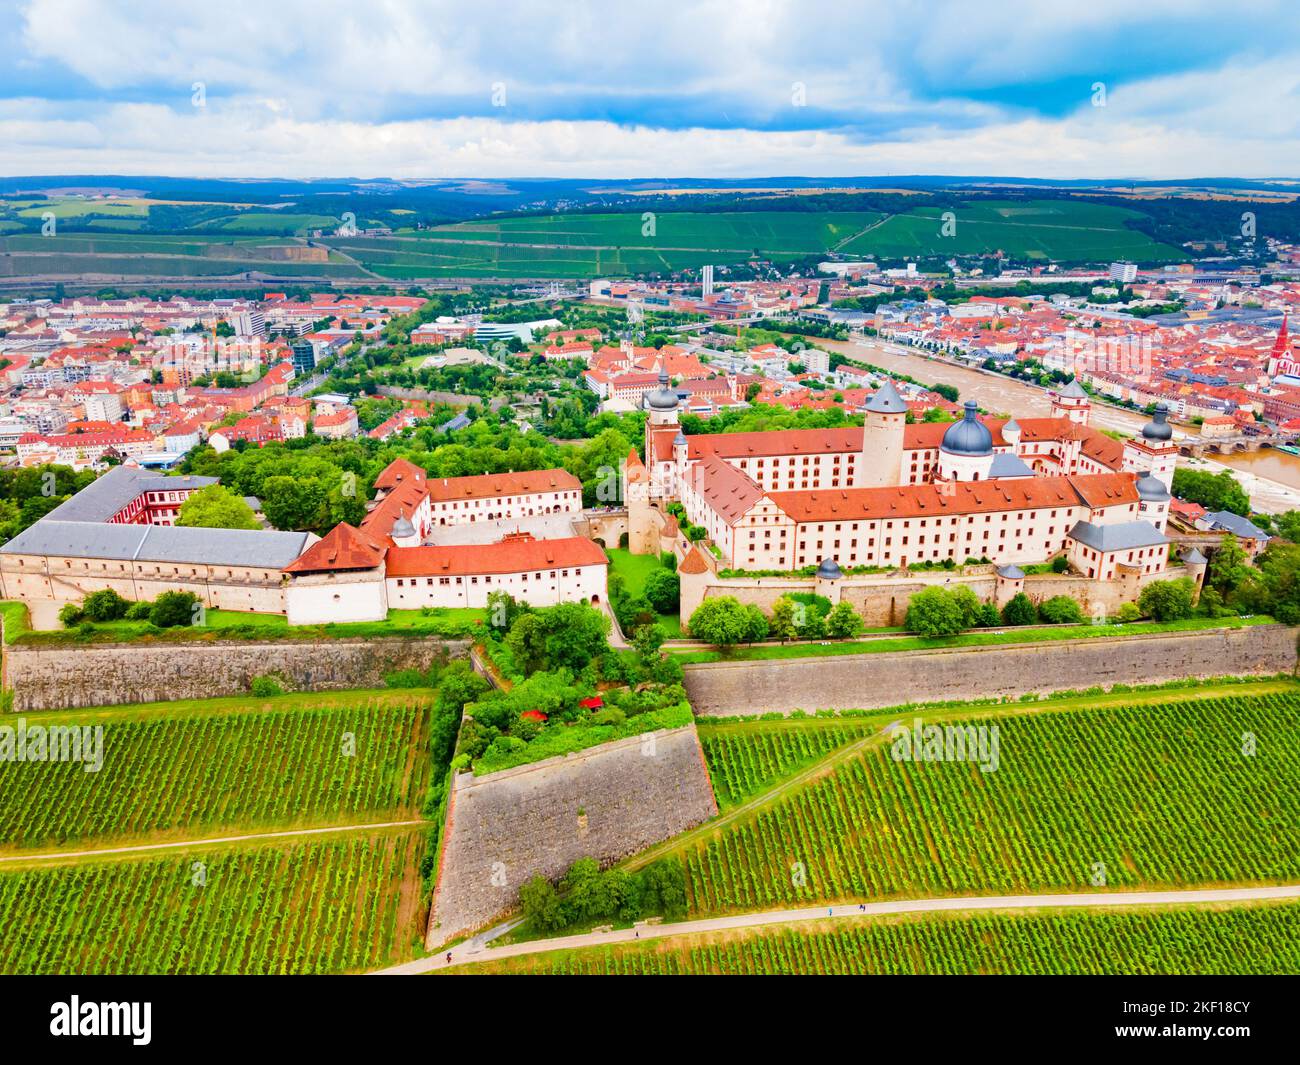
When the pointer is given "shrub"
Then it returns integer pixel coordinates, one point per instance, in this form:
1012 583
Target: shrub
1019 610
1060 564
1128 612
843 621
1061 610
1167 600
934 612
969 603
988 616
105 605
139 611
406 678
721 621
265 686
70 615
174 608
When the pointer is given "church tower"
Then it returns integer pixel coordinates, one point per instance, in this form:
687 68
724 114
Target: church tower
1072 402
882 439
1153 449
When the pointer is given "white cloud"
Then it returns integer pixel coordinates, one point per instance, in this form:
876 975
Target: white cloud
400 88
251 139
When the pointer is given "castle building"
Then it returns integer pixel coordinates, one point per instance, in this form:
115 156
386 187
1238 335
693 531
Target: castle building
889 494
118 533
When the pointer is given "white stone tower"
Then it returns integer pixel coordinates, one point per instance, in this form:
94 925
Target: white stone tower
882 439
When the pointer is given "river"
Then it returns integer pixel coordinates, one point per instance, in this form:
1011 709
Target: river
1271 477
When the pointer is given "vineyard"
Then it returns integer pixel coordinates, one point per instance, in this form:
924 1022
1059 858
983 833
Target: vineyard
745 760
1119 797
1262 939
323 907
185 775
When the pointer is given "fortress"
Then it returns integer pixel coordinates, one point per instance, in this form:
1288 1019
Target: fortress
872 502
889 495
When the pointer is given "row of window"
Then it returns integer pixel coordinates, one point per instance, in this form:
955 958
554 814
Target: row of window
414 582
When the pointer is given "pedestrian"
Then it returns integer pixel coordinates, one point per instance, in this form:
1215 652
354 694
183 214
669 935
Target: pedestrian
448 957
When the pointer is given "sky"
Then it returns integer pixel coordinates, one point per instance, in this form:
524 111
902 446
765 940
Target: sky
624 89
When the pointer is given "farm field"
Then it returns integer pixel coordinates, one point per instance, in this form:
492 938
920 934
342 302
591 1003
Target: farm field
746 759
335 905
1155 793
559 245
191 771
1046 230
1261 938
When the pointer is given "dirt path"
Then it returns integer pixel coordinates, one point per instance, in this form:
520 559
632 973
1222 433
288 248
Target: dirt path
476 952
209 841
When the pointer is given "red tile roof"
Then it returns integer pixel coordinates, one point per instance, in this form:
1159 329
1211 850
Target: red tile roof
342 548
694 562
964 497
515 556
490 485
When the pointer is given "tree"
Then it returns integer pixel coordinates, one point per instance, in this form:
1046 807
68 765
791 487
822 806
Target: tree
782 624
647 640
1019 610
1279 574
1167 600
576 633
541 904
843 622
216 507
1288 525
755 624
1227 566
969 603
104 605
526 642
565 636
1213 491
295 504
663 590
171 609
586 891
1061 610
721 621
933 612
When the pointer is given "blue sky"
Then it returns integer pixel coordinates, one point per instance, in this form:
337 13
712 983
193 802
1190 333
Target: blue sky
407 88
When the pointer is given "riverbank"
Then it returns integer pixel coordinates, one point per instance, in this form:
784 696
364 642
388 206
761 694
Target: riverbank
1272 490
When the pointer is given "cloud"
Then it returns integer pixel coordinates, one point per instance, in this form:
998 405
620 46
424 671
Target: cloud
736 88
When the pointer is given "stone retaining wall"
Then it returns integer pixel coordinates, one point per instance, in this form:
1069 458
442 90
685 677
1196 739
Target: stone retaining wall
892 678
57 678
606 803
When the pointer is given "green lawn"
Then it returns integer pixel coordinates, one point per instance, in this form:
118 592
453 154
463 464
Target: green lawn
440 621
17 618
634 569
965 639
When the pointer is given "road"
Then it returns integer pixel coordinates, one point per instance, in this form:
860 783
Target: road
475 951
